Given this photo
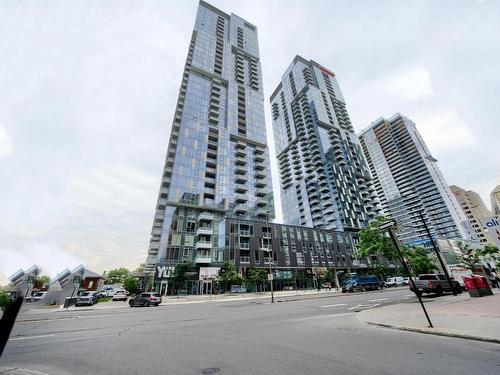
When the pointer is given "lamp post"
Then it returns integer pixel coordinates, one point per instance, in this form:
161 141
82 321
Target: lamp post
270 252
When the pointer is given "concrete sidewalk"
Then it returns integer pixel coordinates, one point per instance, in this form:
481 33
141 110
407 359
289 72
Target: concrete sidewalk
456 316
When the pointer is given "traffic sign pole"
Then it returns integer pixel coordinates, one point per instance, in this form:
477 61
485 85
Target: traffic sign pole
389 226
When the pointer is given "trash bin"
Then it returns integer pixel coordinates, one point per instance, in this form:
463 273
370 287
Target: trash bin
69 301
470 285
482 285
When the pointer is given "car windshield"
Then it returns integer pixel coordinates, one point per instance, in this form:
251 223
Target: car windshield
427 277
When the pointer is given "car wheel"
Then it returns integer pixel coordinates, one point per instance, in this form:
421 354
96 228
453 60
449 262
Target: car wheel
157 304
439 291
363 289
148 304
131 303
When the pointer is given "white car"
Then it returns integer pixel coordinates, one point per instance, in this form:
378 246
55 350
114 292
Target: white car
120 296
394 281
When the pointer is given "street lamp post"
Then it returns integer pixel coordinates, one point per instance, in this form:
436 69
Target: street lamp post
270 256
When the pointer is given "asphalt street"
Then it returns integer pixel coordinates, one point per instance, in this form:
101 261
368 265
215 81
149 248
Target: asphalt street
294 336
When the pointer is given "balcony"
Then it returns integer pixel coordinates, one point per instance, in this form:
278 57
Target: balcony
262 202
245 259
244 245
240 169
205 231
241 179
260 193
240 209
205 216
241 188
203 245
260 184
244 232
241 198
203 259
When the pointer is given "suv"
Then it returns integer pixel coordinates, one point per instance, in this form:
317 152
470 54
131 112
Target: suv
145 299
362 283
86 299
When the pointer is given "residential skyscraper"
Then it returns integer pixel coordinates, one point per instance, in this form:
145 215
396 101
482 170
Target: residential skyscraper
217 162
324 179
408 181
474 209
495 200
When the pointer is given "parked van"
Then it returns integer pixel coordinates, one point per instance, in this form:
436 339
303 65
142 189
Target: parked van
395 281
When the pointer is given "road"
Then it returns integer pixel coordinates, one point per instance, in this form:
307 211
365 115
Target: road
309 336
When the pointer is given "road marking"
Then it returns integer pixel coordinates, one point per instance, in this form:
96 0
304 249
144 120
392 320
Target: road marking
409 295
329 316
378 299
338 304
30 337
364 307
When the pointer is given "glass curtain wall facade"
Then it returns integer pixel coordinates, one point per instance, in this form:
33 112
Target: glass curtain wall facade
324 179
217 161
408 181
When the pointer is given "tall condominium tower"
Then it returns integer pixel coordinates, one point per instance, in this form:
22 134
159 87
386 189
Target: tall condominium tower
495 200
324 179
217 162
408 181
474 209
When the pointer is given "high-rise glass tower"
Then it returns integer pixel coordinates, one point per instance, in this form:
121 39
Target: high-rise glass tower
324 179
217 162
408 181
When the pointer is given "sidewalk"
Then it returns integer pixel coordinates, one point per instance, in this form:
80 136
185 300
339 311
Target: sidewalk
461 316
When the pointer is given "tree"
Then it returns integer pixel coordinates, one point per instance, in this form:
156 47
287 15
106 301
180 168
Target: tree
44 280
419 260
258 276
469 257
180 273
131 284
373 241
4 300
117 276
229 274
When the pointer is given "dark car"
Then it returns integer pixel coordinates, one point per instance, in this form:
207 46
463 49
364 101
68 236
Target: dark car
86 299
145 299
362 283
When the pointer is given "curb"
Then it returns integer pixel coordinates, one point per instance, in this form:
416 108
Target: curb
436 333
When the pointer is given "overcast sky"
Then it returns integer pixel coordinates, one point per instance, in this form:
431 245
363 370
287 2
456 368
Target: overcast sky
88 90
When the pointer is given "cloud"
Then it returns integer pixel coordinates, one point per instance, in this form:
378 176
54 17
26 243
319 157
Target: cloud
443 130
411 84
47 255
6 147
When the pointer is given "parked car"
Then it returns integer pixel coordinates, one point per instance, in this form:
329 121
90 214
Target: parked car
238 289
86 299
120 296
394 281
406 281
100 295
434 283
145 299
36 297
362 283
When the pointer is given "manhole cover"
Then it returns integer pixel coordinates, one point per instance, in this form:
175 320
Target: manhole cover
211 370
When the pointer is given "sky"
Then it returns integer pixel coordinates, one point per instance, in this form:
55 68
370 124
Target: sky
88 91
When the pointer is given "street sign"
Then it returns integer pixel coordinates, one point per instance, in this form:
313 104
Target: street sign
270 277
387 224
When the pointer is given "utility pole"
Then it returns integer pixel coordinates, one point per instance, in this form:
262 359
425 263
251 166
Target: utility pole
438 254
270 251
389 225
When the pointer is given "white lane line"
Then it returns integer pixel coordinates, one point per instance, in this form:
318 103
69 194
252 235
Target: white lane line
364 306
338 304
409 295
378 299
30 337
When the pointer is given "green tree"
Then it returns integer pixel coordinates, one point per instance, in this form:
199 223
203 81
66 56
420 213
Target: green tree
382 271
229 274
419 260
117 276
258 276
131 284
180 273
373 241
4 300
44 280
468 257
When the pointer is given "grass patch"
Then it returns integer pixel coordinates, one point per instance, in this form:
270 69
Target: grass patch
104 299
